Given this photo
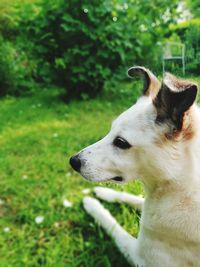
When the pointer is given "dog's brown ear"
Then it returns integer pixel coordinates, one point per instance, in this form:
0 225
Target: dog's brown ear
151 83
175 97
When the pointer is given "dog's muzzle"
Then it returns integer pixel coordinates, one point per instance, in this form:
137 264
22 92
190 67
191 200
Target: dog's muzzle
75 162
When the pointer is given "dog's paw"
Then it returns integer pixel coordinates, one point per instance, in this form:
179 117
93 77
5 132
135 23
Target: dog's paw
101 215
91 205
106 194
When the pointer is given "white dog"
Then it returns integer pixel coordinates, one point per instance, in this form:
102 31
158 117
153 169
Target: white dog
158 141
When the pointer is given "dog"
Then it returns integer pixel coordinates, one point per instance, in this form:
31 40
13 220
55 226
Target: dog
157 141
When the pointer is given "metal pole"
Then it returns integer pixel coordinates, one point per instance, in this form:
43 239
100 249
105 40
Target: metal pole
183 58
163 63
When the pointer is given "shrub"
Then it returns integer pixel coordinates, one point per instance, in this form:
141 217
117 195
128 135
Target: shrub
189 33
192 40
16 70
82 44
78 44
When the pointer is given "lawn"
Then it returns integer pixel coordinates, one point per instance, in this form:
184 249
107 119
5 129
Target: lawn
38 134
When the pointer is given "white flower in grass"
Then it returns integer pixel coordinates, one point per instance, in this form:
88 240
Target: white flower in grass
55 135
67 203
56 224
126 6
6 229
1 201
24 177
39 219
86 191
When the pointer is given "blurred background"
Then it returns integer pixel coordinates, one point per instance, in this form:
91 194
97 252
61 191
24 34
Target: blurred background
63 79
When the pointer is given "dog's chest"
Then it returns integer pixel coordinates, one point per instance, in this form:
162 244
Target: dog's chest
170 233
156 250
178 217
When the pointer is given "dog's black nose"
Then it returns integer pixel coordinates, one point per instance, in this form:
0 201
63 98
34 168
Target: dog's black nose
75 163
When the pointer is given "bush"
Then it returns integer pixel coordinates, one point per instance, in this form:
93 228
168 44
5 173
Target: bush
192 40
189 33
78 44
83 44
16 70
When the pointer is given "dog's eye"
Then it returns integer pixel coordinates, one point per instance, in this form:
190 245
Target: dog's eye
121 143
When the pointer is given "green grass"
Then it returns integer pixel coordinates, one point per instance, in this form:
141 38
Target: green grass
37 136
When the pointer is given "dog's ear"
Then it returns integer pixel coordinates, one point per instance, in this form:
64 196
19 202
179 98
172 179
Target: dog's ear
174 99
151 83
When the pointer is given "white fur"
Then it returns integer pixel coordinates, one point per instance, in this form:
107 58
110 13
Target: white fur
170 171
111 195
124 241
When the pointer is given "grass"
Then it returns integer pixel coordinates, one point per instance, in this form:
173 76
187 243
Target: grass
37 136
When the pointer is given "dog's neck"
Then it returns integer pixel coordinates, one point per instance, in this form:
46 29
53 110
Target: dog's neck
187 182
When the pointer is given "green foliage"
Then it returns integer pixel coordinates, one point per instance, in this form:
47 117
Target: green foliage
192 40
194 6
17 62
189 34
16 70
80 44
7 22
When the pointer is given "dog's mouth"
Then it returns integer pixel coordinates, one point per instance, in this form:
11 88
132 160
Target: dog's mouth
117 179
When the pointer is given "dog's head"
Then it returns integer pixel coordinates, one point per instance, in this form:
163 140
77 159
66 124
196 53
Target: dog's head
148 141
